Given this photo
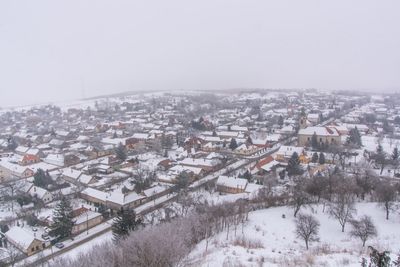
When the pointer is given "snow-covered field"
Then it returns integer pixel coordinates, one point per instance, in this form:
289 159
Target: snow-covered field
370 143
275 244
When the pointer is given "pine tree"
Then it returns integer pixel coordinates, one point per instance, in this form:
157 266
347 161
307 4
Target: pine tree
247 175
380 157
120 152
314 141
182 180
124 223
395 154
63 219
386 127
321 158
280 120
41 178
293 167
233 145
302 112
314 158
354 137
11 143
249 140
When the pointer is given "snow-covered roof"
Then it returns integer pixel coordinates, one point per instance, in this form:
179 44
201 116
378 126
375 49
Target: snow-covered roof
320 131
140 135
84 217
14 168
181 168
22 237
71 173
232 182
153 190
38 192
287 151
56 159
199 162
85 179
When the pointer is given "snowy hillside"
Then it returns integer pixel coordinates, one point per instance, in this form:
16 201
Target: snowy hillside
269 240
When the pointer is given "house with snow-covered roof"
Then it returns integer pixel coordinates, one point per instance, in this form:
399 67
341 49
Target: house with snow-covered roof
285 153
324 135
231 185
85 219
25 240
9 171
41 194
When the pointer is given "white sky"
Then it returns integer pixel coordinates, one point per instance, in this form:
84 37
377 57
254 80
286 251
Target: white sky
48 49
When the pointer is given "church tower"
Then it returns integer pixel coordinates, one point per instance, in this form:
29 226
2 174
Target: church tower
303 122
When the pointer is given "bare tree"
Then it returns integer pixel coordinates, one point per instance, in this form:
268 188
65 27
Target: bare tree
316 186
307 227
363 228
342 209
365 180
386 194
10 191
299 196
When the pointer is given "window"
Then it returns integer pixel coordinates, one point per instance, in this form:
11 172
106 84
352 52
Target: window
308 138
32 249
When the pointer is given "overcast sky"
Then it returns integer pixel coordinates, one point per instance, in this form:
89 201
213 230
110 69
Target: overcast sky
51 50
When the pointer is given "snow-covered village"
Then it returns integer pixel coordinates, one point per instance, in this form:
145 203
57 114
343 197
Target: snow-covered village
212 133
272 178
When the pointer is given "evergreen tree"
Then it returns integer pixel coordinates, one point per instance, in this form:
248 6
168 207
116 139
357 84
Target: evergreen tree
380 157
293 167
249 140
395 154
314 158
386 127
233 145
314 141
182 180
124 223
354 137
103 211
302 112
247 175
11 143
397 120
120 152
42 179
63 219
321 158
280 120
379 149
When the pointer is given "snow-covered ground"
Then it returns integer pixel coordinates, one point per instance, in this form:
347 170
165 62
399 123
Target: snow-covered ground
370 143
73 253
275 244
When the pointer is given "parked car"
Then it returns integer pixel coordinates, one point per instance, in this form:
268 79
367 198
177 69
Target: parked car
59 245
47 229
34 229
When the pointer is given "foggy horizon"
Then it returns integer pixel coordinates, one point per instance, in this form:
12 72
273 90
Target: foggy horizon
69 50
